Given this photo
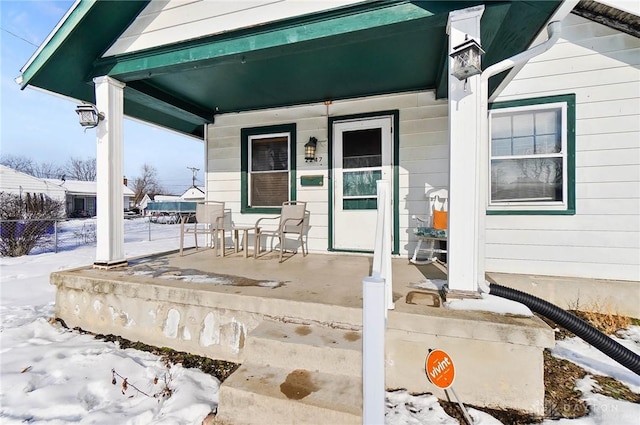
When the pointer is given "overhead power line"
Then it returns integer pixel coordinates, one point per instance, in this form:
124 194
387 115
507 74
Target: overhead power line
19 37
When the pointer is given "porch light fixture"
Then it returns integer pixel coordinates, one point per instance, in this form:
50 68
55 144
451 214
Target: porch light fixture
466 59
310 150
89 115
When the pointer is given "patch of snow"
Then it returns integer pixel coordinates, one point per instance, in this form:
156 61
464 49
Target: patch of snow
490 303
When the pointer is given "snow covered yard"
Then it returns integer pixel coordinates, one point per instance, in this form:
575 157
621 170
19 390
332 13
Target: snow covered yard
52 375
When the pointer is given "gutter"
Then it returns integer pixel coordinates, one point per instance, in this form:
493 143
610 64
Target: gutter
553 29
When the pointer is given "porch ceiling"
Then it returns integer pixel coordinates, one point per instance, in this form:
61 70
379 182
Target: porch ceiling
371 48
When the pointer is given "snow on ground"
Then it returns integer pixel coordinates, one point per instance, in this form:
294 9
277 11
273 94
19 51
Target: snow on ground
51 375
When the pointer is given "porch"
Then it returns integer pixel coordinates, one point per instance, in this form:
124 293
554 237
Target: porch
213 306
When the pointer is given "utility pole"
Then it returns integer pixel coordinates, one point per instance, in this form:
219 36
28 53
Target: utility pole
194 170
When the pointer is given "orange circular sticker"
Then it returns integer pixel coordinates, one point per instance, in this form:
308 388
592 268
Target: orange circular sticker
439 368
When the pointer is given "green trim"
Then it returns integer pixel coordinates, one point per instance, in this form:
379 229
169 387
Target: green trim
360 204
352 251
312 180
196 53
570 100
66 29
532 212
395 162
245 133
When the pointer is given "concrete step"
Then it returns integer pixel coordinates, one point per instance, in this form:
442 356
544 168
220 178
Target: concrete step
257 394
310 347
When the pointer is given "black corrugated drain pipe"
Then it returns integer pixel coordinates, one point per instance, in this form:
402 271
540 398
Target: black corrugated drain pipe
579 327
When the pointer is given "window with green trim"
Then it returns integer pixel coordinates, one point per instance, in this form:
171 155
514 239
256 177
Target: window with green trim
268 167
531 155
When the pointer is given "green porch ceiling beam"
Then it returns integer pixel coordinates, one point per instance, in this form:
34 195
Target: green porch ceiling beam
155 98
186 56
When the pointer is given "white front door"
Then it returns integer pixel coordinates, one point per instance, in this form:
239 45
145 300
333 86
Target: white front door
362 155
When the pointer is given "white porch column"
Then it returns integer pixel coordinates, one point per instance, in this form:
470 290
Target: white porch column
109 164
464 167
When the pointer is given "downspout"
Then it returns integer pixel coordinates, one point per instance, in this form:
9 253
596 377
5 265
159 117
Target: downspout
553 31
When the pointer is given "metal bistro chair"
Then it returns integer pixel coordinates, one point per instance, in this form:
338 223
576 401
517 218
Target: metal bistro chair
209 221
433 229
290 221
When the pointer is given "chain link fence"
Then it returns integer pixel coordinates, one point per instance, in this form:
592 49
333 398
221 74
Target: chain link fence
22 237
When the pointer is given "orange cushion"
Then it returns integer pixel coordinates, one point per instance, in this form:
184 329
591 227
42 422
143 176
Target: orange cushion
439 219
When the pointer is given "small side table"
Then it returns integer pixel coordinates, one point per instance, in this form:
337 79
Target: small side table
245 238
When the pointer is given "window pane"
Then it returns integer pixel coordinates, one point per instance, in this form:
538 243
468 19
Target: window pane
269 154
547 122
360 183
501 147
548 144
269 189
501 127
362 148
523 125
525 180
523 146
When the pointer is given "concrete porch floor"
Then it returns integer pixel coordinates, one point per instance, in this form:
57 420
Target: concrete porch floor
173 301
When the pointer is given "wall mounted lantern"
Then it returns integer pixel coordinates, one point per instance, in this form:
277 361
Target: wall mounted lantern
89 115
310 150
466 59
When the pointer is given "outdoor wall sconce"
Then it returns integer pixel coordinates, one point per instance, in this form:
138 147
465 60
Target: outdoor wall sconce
89 115
310 150
466 59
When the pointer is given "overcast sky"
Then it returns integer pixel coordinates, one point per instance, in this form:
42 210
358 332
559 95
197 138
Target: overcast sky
45 128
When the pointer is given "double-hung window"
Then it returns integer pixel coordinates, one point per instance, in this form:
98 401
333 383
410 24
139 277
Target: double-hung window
532 154
268 155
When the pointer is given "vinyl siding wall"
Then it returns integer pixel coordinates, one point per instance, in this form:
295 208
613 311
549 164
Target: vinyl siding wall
602 240
423 162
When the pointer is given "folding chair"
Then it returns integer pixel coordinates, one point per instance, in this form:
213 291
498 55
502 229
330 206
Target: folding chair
291 220
209 221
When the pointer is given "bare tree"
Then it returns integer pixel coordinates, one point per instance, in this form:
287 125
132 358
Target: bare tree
146 183
48 170
18 162
81 169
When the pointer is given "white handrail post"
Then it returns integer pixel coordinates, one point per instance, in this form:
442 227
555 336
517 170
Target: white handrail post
373 370
382 248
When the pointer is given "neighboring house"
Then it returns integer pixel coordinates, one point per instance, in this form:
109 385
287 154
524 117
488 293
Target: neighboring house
16 182
81 197
194 194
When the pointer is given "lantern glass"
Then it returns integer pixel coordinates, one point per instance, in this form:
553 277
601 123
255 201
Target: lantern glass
466 60
87 118
88 115
310 149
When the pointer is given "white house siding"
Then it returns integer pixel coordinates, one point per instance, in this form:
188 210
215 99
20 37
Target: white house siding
171 21
602 240
424 156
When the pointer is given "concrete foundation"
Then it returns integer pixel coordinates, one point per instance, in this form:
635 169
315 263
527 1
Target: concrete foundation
175 302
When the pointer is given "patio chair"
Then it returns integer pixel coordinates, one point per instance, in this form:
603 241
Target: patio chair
292 220
433 229
209 221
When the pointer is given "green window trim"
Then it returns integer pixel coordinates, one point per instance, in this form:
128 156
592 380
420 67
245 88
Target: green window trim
245 135
570 101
